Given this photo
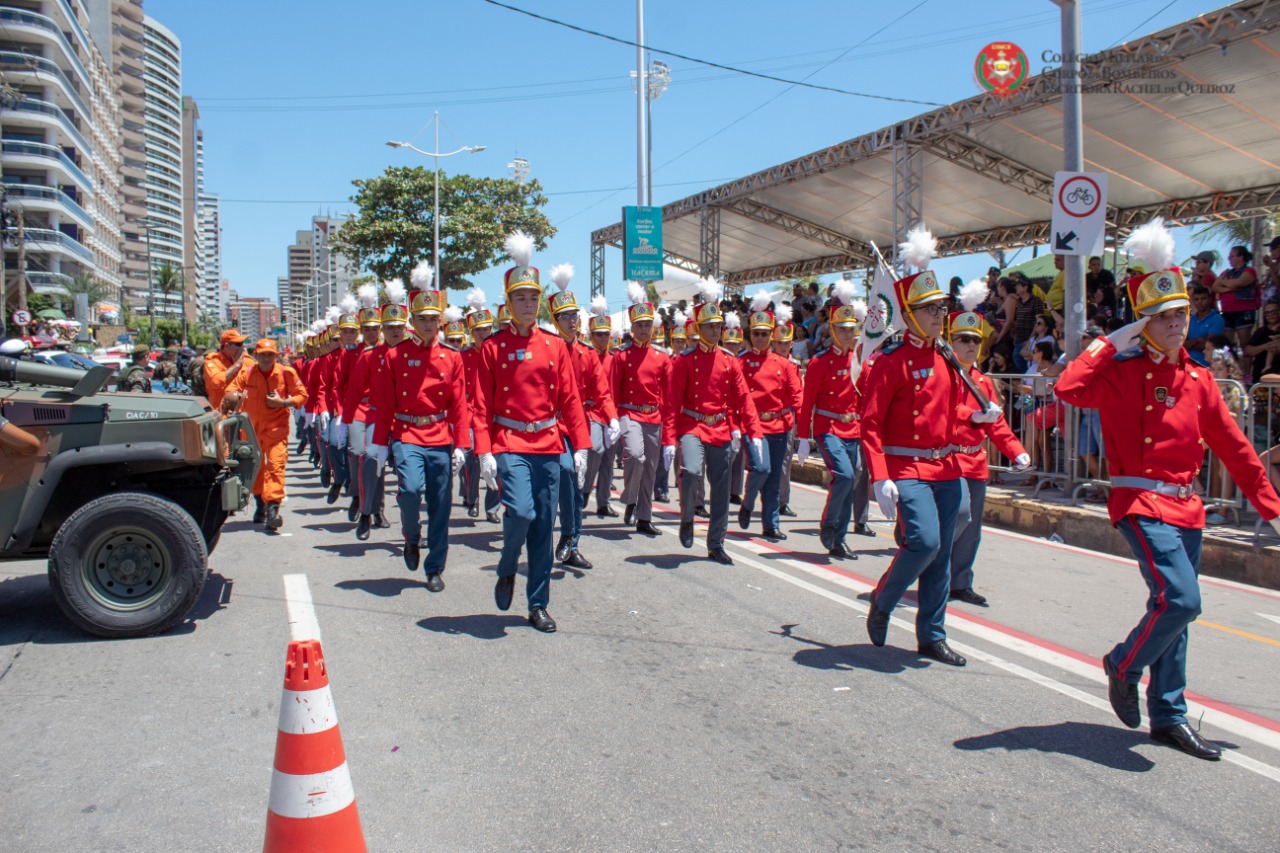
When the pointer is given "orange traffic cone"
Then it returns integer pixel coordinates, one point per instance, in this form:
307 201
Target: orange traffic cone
313 806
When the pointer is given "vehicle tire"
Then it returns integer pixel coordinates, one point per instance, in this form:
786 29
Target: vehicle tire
127 564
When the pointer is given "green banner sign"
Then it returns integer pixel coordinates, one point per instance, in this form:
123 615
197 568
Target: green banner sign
642 243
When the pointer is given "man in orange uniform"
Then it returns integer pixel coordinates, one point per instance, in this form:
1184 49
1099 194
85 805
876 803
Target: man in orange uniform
707 389
597 404
908 432
966 331
830 414
524 387
268 391
422 408
777 393
1157 407
222 367
366 491
480 324
641 373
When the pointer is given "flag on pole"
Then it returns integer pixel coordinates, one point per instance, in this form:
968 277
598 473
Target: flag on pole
882 313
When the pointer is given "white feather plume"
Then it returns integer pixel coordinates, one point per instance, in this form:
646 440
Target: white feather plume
1152 243
547 327
476 299
782 314
860 309
349 304
519 246
395 291
732 320
616 333
973 294
331 314
452 314
919 248
709 289
844 291
760 302
679 318
422 275
368 294
637 292
600 306
561 275
300 337
318 326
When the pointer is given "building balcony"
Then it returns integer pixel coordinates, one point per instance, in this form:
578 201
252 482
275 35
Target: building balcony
46 239
47 282
46 199
24 66
42 28
37 155
30 111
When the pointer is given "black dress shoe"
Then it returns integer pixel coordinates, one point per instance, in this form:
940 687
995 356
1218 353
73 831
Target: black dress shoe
736 500
259 512
941 652
1188 740
606 511
563 547
775 535
540 619
701 511
827 537
325 477
362 527
718 555
380 520
1123 696
411 556
629 517
503 590
473 510
744 518
787 511
354 509
435 583
492 518
877 624
334 491
863 529
840 552
686 534
968 596
576 560
647 527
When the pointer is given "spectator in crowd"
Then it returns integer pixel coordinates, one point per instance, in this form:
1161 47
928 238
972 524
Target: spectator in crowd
1029 307
1099 311
1041 331
993 278
1202 270
1057 295
1223 365
1271 285
953 292
1006 292
1100 280
1239 295
800 346
1041 410
1265 343
1205 323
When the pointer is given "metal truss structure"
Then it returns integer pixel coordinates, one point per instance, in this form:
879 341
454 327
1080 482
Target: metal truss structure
979 172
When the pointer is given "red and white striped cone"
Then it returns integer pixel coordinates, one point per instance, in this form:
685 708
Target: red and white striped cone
313 805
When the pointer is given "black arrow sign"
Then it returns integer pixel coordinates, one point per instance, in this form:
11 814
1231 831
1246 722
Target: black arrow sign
1062 242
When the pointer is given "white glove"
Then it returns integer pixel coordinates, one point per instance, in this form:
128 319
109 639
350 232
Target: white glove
342 433
580 466
735 440
1022 462
323 417
1126 337
308 418
459 457
489 470
802 450
668 455
757 444
611 433
887 497
379 452
989 415
1275 524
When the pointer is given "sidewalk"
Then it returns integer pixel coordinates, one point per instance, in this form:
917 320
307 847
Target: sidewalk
1228 552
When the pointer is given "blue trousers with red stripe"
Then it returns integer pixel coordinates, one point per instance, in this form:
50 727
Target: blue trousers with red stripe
927 521
1169 558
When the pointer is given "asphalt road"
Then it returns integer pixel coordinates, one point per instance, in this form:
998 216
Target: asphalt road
682 705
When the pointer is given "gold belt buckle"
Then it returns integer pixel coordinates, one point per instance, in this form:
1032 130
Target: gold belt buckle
846 417
528 427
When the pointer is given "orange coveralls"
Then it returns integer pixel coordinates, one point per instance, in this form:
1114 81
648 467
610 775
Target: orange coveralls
271 425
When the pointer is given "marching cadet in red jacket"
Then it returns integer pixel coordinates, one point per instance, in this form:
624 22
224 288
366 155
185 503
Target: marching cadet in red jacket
302 367
1158 409
327 404
525 387
480 325
641 374
597 404
776 392
966 332
348 355
784 336
422 409
600 461
707 397
367 497
908 434
395 317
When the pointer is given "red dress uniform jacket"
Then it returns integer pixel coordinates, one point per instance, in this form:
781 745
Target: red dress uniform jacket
709 382
312 384
342 377
1154 416
911 400
775 389
423 381
528 379
829 386
377 369
355 404
973 464
327 367
593 384
641 376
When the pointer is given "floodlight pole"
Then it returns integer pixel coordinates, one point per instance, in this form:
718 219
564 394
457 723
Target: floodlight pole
642 97
1072 161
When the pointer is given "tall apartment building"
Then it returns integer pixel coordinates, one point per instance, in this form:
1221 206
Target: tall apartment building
162 113
254 316
317 276
61 150
212 297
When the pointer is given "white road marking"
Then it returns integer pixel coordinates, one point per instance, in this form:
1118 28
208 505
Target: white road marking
303 624
1275 619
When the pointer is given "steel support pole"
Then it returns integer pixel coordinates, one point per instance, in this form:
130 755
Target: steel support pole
1072 161
597 270
151 299
435 217
709 234
642 94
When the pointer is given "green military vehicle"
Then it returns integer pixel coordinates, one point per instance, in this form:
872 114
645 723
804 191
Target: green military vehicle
126 495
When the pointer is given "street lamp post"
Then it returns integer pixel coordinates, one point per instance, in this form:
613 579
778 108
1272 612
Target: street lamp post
435 240
151 299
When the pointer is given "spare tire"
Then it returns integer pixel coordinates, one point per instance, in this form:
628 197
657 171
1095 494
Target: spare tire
127 564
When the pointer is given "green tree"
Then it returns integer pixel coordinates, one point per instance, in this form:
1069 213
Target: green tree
167 280
91 286
1234 232
392 232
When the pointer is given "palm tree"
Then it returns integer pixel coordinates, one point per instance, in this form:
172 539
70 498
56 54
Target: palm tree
94 289
167 280
1234 232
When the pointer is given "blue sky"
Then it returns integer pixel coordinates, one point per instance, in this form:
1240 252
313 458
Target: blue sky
297 99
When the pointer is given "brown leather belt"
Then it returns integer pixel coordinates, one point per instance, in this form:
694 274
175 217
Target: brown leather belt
842 417
421 420
773 416
644 410
709 420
